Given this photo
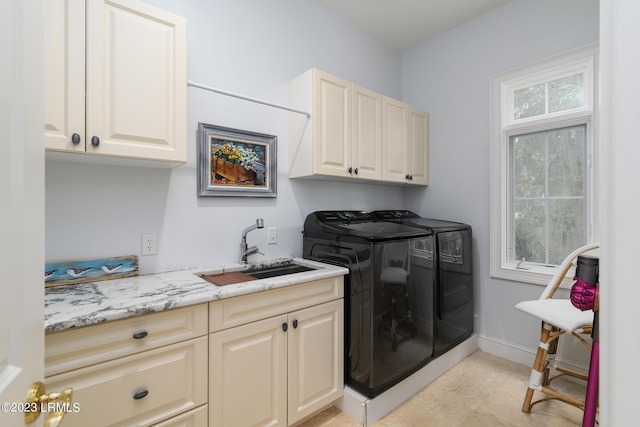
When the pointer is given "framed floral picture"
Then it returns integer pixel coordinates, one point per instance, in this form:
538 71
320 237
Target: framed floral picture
235 162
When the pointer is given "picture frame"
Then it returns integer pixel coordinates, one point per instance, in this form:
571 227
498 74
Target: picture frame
235 162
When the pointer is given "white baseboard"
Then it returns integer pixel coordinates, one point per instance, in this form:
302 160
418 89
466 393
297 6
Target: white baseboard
506 350
367 411
523 355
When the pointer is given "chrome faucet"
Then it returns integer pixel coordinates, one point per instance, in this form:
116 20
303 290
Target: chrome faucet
244 249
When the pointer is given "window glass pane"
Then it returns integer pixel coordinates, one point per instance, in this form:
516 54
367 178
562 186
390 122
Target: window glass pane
567 162
548 195
566 93
566 227
529 164
529 224
529 102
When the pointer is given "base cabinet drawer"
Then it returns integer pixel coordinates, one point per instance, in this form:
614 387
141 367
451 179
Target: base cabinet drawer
77 348
195 418
139 390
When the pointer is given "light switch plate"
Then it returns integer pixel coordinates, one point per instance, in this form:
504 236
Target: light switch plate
272 235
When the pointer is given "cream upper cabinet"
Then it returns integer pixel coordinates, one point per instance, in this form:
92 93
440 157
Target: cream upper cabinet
405 143
124 93
394 139
320 145
353 133
64 75
418 140
367 134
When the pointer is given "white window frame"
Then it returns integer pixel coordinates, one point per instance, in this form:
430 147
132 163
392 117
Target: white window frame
503 126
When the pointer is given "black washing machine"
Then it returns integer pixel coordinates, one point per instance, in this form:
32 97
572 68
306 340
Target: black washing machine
450 270
389 333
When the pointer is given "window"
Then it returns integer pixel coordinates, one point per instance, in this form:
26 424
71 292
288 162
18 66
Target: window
542 173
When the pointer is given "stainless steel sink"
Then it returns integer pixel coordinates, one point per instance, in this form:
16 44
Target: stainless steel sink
278 270
222 279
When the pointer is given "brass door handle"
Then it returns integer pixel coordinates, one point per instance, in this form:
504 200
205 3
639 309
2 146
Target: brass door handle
37 399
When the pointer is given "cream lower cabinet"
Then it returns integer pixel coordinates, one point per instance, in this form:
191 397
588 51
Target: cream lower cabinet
115 80
140 371
280 366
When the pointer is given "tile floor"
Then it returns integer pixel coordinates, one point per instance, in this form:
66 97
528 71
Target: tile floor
482 390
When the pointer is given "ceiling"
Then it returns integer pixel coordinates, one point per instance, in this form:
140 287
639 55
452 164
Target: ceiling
403 24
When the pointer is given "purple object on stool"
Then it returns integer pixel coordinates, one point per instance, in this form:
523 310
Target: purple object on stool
583 295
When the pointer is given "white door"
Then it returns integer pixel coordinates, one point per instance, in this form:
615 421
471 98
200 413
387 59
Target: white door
22 204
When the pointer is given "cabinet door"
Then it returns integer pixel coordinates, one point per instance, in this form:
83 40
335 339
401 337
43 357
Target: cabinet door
316 355
331 124
418 146
64 75
136 81
367 136
247 375
394 140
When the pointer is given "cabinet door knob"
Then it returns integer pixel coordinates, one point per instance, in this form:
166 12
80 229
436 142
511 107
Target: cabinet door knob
38 399
350 170
75 138
285 326
356 171
141 394
140 334
295 323
407 176
95 141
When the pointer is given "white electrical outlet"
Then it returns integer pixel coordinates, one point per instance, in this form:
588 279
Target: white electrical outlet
148 244
272 235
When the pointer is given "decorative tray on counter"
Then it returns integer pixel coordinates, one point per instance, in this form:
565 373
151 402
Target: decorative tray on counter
70 272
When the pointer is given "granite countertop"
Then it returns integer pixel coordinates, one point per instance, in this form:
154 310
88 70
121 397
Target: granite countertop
72 306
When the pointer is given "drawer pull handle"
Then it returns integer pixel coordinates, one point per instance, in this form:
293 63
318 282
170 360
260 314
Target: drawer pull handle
141 394
140 334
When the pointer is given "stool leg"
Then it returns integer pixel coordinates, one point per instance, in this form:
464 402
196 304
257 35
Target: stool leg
394 321
550 359
538 368
409 318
